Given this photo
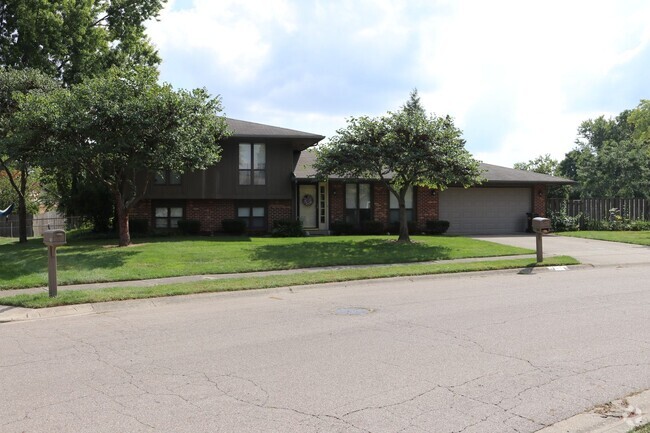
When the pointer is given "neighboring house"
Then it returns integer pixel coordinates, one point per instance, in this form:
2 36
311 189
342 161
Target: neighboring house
266 174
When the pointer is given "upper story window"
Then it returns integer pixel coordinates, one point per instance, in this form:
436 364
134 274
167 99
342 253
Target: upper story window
252 164
393 215
167 177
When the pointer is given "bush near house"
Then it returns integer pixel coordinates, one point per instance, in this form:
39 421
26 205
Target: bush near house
287 229
341 228
372 228
189 227
233 226
393 228
139 226
437 227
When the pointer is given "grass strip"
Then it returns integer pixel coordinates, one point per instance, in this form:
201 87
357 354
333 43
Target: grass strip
72 297
627 237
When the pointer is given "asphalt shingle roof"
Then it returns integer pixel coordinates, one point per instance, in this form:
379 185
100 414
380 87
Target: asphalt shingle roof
242 128
494 174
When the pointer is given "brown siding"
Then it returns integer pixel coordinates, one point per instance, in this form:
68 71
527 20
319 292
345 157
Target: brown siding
427 205
539 199
221 181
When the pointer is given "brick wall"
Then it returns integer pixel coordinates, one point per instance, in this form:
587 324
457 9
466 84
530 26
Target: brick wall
210 213
278 210
381 203
427 205
141 211
337 201
539 199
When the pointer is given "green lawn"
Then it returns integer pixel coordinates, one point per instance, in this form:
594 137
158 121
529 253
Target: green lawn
71 297
628 237
25 265
642 429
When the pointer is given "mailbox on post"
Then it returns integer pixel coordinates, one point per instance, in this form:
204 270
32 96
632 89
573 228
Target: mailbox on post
540 226
53 239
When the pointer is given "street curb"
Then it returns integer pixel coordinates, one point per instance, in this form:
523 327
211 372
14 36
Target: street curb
10 314
618 416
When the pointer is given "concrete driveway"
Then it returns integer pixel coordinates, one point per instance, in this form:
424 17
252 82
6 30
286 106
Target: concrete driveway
597 253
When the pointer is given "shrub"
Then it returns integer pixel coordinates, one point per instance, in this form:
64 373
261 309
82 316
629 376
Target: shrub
138 226
372 228
437 227
287 229
233 226
189 227
638 225
341 228
561 222
393 228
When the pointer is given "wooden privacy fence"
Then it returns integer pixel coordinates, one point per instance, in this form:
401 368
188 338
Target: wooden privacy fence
599 208
37 224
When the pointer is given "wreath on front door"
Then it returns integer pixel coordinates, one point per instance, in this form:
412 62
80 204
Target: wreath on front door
308 200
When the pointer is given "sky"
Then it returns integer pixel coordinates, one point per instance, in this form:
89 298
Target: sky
518 77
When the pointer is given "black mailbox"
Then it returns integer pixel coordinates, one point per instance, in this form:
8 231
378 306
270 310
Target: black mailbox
541 225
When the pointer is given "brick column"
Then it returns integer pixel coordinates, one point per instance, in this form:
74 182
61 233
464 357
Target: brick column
427 204
539 199
337 201
380 197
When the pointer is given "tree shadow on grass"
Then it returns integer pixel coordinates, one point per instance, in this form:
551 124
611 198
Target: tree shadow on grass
29 262
348 252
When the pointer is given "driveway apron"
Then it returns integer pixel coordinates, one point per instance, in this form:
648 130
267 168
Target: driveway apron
588 251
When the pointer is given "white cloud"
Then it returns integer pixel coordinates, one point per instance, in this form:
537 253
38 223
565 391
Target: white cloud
518 77
229 34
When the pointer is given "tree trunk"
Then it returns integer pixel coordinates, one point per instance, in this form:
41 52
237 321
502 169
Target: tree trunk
22 207
403 223
122 220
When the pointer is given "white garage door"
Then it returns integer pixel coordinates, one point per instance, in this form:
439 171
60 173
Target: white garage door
485 210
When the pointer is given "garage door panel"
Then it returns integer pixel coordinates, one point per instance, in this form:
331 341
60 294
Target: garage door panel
485 210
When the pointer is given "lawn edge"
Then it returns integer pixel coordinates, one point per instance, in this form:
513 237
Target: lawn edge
110 294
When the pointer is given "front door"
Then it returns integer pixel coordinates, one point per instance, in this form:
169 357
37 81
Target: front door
307 206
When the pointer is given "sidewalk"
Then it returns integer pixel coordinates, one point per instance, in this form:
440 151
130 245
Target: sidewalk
192 278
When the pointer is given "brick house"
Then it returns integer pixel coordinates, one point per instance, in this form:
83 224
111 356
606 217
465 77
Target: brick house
266 174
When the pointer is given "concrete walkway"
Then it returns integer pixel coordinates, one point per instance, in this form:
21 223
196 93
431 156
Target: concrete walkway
192 278
587 251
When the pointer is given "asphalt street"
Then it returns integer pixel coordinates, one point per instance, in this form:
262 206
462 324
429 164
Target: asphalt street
490 352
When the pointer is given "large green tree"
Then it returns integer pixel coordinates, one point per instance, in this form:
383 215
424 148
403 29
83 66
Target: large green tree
611 157
542 164
75 39
72 40
17 161
402 149
122 123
